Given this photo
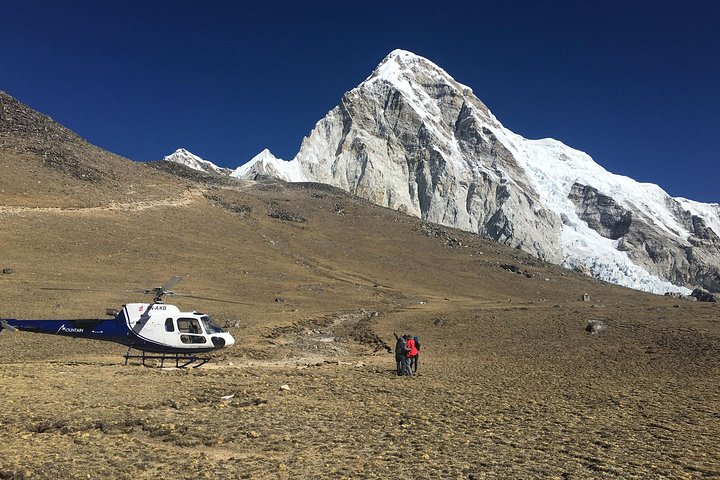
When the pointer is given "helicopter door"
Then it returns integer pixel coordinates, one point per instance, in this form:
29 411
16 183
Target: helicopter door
190 331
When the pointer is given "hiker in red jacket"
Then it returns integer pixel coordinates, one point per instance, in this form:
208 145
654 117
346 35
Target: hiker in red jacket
416 358
411 354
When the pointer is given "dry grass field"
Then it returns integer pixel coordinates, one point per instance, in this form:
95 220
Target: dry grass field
510 384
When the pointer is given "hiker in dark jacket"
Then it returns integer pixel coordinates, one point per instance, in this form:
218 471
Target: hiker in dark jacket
401 351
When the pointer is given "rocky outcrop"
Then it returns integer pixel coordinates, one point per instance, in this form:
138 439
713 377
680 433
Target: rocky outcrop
600 212
702 234
703 295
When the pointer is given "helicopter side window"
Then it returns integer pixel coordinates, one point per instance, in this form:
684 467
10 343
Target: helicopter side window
191 330
169 326
189 325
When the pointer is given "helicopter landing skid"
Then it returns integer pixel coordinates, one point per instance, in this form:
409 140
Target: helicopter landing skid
182 360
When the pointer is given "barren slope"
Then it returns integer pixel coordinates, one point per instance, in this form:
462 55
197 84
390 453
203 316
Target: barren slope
510 384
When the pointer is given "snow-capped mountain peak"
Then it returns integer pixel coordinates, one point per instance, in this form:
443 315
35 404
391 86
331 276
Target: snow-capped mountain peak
184 157
265 163
400 66
412 138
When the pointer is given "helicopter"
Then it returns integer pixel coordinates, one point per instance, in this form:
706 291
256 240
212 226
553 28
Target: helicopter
156 331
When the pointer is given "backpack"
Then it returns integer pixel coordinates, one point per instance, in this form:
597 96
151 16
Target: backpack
417 342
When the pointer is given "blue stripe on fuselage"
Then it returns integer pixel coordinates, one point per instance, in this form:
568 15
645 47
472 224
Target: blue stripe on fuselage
98 329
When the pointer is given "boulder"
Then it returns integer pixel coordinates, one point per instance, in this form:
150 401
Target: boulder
703 295
593 327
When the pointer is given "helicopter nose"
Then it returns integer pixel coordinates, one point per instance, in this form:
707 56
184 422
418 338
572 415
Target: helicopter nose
224 340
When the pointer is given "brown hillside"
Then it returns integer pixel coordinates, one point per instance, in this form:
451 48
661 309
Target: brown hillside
510 386
45 164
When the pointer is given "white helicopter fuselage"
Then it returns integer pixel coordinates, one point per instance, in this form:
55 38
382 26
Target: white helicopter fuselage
165 327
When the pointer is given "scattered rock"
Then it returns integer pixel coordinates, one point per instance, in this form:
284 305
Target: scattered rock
515 269
510 267
435 231
252 402
285 387
7 271
674 295
286 216
583 270
279 300
594 327
235 208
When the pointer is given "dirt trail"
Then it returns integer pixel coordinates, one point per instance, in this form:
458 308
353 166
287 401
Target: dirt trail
184 198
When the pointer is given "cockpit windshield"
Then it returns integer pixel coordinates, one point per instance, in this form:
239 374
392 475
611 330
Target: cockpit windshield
210 325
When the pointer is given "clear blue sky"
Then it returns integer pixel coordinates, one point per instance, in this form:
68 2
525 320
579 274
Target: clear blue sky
636 84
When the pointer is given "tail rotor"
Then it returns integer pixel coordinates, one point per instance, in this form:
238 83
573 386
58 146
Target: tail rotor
6 326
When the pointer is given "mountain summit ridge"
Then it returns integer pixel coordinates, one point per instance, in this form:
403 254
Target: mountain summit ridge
411 138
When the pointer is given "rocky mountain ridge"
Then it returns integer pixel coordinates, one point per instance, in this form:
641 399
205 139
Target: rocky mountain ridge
413 139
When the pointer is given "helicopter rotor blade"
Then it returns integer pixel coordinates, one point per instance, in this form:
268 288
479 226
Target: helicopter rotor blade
171 283
74 289
159 292
213 299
